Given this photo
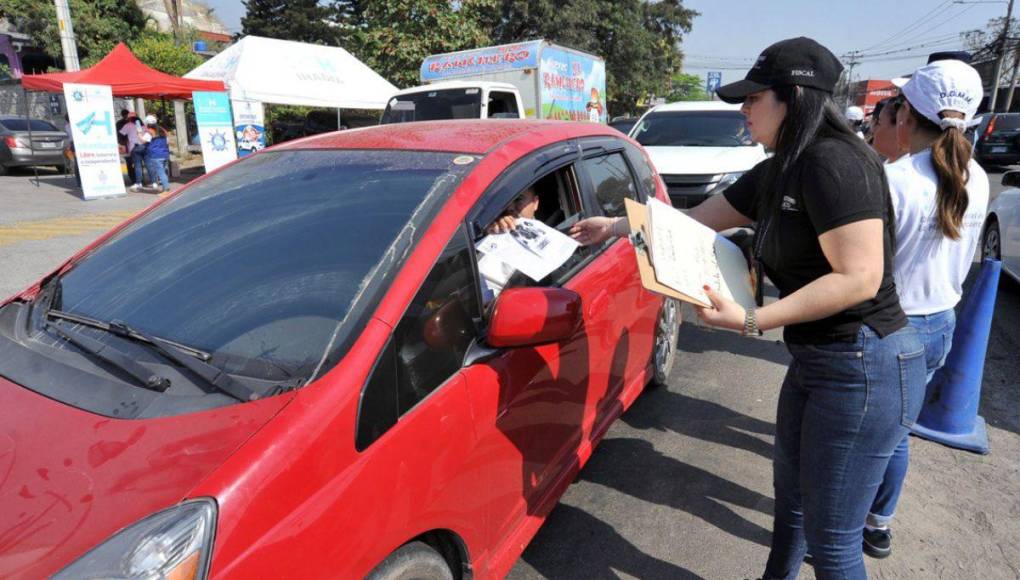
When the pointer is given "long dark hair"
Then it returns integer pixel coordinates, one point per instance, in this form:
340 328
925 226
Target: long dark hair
950 155
810 114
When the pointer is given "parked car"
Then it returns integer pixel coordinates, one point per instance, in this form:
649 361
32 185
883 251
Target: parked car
1001 236
998 139
24 143
699 148
285 369
623 124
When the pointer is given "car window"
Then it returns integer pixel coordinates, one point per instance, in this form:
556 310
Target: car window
502 106
693 129
644 172
559 207
427 346
612 182
1007 122
434 105
22 125
263 260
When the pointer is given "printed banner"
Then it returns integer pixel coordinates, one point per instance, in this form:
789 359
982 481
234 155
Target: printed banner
491 59
90 112
573 86
215 128
249 127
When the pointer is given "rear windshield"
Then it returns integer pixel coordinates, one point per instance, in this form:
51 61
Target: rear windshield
264 259
434 106
1007 122
693 129
22 125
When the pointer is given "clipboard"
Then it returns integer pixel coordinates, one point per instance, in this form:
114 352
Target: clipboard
736 275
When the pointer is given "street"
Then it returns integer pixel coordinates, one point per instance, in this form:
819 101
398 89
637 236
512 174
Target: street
681 485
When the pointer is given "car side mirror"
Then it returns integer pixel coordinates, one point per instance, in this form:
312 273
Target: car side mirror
1011 179
533 316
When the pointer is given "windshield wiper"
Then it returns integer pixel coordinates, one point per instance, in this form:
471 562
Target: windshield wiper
211 374
114 357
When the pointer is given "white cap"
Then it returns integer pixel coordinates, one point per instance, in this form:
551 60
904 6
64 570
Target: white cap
854 113
151 120
944 85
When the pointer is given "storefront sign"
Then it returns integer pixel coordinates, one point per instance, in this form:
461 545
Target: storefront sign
90 111
215 128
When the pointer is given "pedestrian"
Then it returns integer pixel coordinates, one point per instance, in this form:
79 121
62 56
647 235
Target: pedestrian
884 139
134 149
855 116
940 195
157 154
825 237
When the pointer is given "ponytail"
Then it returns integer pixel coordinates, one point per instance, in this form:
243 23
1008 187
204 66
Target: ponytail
950 154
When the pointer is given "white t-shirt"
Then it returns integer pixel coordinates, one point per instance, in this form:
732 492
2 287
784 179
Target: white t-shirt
130 130
929 268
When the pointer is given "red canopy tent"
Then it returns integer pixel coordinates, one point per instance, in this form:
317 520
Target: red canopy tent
126 75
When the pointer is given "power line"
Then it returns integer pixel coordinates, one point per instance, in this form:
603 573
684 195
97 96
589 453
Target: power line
920 21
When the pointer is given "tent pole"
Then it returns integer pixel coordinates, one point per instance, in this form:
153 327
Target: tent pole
28 124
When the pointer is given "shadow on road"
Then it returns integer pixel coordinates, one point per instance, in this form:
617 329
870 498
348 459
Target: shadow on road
575 544
697 339
634 467
705 420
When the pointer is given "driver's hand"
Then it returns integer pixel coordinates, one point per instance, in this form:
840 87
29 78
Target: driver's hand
593 230
503 225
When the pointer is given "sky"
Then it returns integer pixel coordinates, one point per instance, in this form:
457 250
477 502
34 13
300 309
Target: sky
729 34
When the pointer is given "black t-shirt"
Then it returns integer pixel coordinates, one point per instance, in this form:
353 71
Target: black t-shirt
832 184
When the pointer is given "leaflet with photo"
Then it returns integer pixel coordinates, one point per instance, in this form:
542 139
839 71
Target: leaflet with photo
531 247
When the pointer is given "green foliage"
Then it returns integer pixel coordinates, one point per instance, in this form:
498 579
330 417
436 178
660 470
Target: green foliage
395 36
98 25
687 87
299 20
161 53
638 38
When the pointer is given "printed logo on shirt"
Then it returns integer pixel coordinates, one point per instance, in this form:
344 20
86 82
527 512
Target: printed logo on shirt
789 204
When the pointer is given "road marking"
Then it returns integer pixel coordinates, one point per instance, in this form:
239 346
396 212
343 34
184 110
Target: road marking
61 227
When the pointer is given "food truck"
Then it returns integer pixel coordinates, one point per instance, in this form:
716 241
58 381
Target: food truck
533 80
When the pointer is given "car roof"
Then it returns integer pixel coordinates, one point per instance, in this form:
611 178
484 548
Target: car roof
696 106
466 84
475 136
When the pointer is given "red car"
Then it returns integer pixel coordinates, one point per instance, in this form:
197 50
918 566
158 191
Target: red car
288 368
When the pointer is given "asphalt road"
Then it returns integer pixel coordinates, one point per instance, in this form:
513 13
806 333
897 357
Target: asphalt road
681 486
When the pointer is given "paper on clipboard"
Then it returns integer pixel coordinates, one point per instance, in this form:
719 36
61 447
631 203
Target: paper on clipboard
677 255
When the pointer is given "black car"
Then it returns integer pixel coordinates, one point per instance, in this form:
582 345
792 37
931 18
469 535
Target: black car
624 124
998 139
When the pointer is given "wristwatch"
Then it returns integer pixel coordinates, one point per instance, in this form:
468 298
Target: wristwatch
751 323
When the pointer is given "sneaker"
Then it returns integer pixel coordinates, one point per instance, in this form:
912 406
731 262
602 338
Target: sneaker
136 187
878 542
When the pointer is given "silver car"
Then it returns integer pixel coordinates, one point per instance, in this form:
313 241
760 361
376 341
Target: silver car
19 147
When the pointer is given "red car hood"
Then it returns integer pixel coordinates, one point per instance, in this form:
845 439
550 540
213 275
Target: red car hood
69 479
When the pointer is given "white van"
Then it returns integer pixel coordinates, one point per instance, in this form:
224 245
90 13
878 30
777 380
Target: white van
699 148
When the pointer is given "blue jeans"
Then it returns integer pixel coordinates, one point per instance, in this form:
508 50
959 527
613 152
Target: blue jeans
843 408
137 160
936 332
158 169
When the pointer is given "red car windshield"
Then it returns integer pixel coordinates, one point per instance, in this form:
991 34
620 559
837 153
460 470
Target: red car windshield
262 261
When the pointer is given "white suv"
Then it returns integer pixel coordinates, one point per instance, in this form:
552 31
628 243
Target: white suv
699 148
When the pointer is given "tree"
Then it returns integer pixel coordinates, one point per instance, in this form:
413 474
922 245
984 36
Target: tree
687 87
162 53
300 20
98 25
638 38
394 36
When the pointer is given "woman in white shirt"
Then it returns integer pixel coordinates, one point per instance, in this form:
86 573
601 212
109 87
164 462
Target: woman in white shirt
940 196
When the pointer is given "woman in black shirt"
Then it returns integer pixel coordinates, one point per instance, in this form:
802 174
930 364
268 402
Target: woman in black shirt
825 238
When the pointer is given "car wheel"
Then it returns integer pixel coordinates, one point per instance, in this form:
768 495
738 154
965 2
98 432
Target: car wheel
60 169
667 332
991 242
4 170
413 561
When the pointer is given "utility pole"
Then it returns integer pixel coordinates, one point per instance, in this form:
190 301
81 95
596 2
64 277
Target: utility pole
1002 56
67 42
1012 80
852 61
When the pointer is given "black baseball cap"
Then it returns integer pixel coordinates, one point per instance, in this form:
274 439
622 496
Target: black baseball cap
795 61
960 55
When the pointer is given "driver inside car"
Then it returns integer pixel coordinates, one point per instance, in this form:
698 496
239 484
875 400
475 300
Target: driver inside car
495 273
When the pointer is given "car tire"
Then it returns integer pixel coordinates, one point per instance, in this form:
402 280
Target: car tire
664 349
413 561
4 170
991 241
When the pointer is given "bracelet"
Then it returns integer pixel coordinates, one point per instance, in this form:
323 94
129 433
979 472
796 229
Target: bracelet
751 324
615 229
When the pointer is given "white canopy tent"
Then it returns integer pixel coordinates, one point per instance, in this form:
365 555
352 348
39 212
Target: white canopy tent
294 73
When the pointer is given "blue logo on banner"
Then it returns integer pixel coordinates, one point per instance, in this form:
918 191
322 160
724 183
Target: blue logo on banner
90 121
714 82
